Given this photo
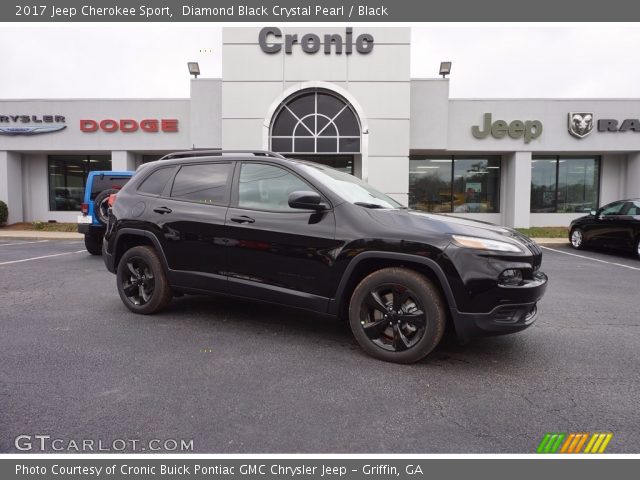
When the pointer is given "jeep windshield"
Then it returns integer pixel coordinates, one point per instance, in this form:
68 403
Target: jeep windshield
350 188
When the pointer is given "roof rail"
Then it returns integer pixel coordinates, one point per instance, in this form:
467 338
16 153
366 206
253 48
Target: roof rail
210 153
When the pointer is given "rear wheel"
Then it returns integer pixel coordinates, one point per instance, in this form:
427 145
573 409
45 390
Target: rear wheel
577 239
142 283
397 315
637 250
93 244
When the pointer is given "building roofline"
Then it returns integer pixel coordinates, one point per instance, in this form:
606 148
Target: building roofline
109 99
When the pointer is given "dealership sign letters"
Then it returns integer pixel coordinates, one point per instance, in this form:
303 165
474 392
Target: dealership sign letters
271 39
581 124
528 130
128 125
31 124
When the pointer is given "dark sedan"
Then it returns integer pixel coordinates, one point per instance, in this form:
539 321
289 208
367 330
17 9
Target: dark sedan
616 226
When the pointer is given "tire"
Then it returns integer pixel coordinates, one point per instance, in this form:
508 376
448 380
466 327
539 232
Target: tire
142 283
637 250
101 205
381 331
576 238
93 244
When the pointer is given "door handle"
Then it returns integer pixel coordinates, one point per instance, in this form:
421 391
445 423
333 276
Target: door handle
162 210
242 219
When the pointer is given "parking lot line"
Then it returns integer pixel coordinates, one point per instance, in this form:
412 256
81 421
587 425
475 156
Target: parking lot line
21 243
38 258
589 258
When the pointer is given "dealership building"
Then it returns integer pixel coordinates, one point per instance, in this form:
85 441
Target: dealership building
343 97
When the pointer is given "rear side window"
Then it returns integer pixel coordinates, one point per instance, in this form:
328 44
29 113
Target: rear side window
105 182
206 183
267 187
154 184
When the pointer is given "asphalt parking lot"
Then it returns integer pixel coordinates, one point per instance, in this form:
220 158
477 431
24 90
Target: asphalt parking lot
251 378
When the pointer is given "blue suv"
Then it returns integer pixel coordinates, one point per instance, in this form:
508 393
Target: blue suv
93 221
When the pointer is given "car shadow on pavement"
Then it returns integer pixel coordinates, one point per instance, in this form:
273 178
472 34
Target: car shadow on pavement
304 327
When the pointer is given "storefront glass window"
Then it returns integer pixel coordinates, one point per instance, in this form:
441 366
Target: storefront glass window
68 176
476 185
455 184
564 184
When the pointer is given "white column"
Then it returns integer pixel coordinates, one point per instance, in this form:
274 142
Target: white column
633 175
11 184
123 160
517 192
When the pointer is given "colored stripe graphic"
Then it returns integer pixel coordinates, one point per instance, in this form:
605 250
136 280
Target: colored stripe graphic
574 442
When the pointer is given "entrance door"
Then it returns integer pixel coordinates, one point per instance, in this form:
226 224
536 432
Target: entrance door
344 163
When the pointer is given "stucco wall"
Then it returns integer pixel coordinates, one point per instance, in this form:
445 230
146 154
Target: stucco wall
377 84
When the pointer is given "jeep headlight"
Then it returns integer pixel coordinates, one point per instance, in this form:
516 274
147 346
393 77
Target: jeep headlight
478 243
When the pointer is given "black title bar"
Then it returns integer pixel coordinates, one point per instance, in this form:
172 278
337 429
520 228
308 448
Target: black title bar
278 11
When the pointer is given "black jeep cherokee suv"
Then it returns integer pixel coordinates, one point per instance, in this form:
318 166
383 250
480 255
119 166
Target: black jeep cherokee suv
264 227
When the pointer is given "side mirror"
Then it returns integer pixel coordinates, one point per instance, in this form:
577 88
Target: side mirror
593 213
306 200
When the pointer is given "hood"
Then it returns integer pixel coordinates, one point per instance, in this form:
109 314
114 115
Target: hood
418 222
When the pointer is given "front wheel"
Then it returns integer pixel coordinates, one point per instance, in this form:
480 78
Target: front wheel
397 315
576 237
142 283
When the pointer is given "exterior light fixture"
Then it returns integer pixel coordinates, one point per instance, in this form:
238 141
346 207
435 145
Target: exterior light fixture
194 69
445 68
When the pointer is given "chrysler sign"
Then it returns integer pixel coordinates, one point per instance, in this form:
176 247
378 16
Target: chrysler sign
31 124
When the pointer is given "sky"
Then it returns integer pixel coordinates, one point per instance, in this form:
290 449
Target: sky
489 61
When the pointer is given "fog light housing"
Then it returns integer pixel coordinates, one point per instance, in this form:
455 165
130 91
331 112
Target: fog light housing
510 277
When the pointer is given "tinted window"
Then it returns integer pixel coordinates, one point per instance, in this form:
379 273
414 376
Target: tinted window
564 184
202 183
612 208
266 187
634 209
155 183
106 182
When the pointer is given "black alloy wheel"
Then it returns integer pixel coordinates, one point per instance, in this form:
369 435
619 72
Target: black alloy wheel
138 281
397 315
392 318
142 283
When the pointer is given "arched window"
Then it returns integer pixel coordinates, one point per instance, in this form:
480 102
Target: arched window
315 121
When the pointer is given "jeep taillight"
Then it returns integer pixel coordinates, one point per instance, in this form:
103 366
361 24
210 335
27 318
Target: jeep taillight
112 199
84 208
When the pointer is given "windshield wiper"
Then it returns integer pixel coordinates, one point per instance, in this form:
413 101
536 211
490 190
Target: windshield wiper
369 205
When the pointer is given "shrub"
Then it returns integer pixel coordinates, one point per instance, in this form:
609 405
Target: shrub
4 213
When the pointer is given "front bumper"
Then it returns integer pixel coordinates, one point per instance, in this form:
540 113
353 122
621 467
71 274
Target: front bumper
510 316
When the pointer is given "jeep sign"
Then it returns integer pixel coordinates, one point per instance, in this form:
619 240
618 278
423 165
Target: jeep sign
529 129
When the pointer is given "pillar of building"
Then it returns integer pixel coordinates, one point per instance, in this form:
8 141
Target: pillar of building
633 175
122 160
516 199
11 184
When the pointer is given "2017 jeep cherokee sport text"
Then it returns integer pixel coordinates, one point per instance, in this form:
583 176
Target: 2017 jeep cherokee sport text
264 227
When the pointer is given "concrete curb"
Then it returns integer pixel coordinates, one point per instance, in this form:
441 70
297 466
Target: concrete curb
40 235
